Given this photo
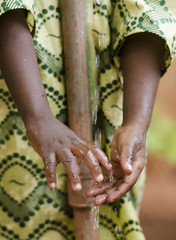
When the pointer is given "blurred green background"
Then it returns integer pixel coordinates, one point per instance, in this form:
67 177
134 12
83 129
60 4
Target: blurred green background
162 138
161 141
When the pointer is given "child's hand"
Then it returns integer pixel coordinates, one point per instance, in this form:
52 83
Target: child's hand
55 142
128 159
50 138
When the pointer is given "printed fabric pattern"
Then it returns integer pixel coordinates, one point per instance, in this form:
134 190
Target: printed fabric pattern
28 210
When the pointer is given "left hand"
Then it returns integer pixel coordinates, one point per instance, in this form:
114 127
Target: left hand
128 159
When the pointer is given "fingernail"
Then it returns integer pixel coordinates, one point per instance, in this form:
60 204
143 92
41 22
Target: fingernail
110 165
53 186
100 178
78 186
129 166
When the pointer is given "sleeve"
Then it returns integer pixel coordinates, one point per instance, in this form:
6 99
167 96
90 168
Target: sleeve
153 16
28 5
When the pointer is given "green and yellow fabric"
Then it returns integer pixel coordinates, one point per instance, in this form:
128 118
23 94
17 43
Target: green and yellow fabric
28 210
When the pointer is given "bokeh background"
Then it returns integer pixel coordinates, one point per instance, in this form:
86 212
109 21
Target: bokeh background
158 210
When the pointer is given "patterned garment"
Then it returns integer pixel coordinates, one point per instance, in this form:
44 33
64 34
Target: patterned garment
28 210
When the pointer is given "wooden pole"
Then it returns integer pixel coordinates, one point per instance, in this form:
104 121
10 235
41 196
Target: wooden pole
79 108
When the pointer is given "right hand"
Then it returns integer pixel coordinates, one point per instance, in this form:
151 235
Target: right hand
54 142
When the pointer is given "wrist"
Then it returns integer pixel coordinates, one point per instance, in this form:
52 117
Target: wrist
37 118
138 126
138 118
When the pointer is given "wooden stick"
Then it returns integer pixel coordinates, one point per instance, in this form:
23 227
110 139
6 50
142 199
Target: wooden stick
79 108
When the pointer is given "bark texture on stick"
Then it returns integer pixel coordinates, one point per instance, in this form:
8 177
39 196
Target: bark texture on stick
79 107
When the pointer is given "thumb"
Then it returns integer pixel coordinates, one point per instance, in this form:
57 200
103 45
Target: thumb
126 160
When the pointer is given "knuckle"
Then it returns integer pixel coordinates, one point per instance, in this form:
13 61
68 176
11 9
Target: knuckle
51 175
75 177
130 155
92 157
50 171
69 160
95 168
49 163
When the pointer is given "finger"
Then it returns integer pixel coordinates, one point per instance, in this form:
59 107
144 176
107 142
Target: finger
101 156
50 169
126 159
73 170
138 166
122 189
128 181
124 155
115 155
97 190
94 191
90 160
118 193
116 163
101 199
117 170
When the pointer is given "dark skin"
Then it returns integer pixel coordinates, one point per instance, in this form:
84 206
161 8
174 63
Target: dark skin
50 138
53 141
142 58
